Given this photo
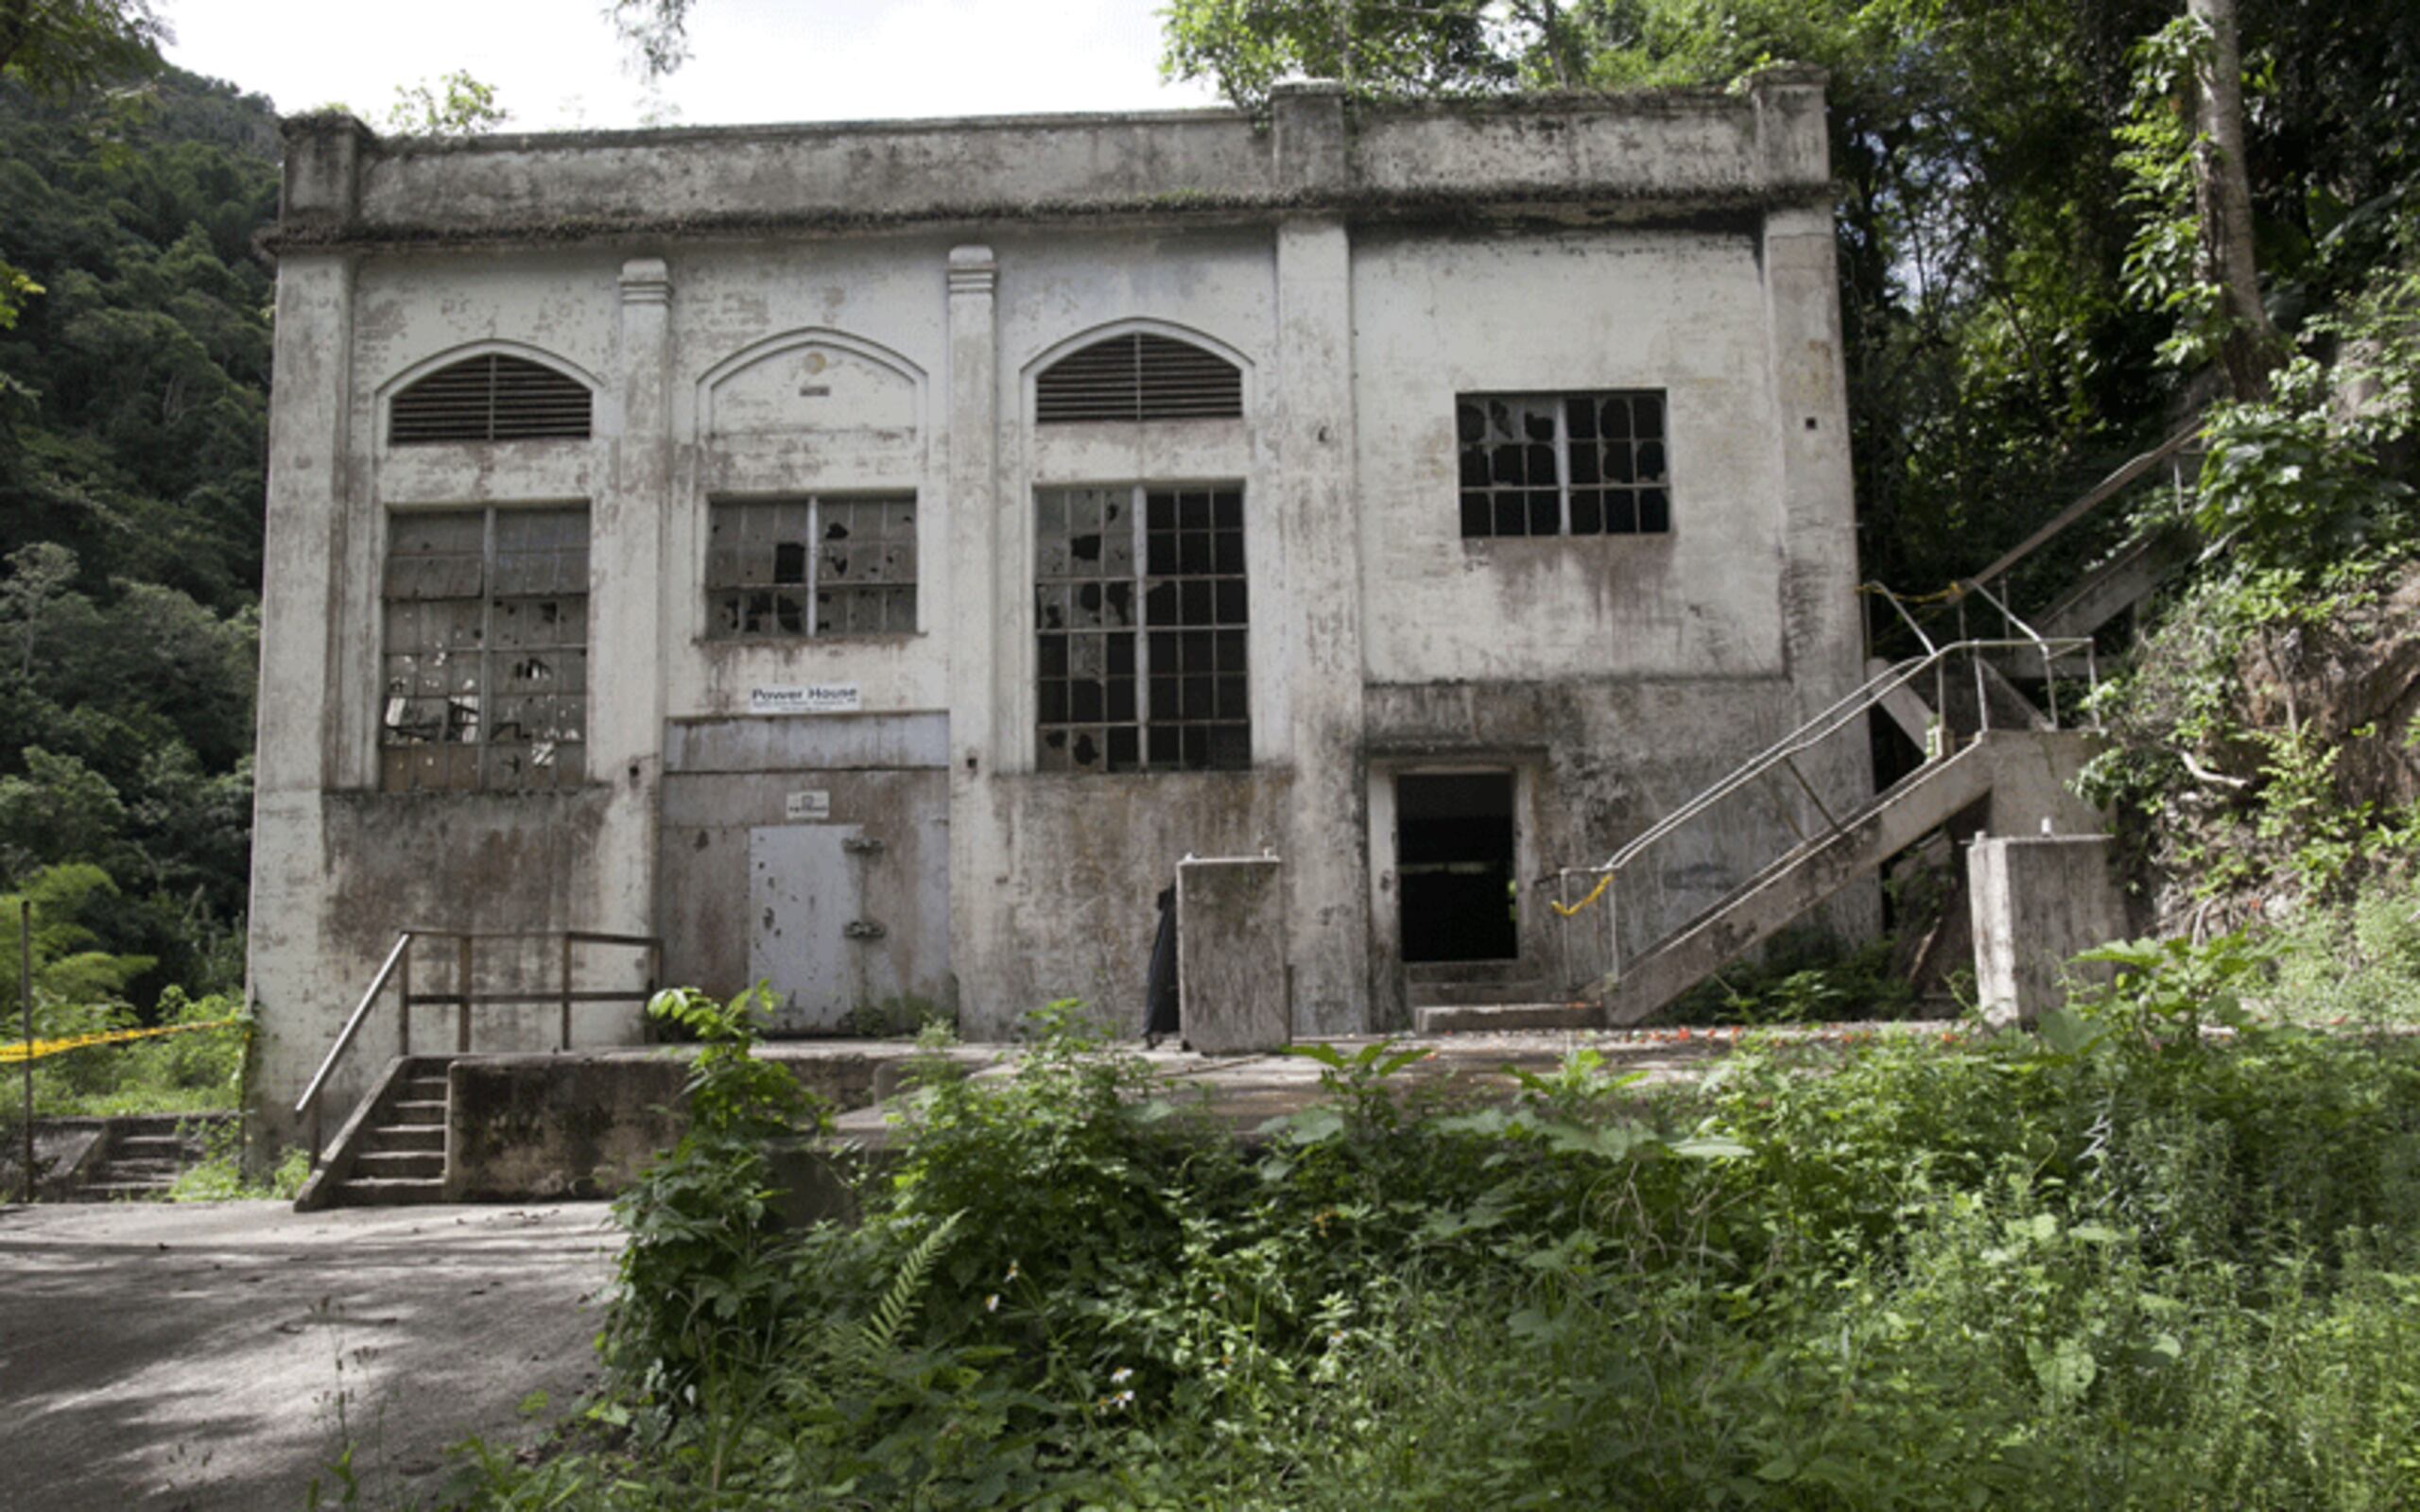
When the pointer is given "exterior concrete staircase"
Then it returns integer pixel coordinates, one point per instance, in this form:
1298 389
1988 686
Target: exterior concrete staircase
143 1156
392 1151
1985 712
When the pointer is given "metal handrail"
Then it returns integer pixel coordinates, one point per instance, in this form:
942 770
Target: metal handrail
352 1025
2101 493
1781 757
398 963
1868 697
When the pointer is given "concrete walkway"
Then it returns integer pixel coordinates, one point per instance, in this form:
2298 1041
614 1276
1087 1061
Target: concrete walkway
215 1356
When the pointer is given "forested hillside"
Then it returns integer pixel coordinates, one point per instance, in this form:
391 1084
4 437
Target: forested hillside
133 403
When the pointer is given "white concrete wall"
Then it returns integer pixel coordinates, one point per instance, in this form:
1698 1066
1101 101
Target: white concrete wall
1441 314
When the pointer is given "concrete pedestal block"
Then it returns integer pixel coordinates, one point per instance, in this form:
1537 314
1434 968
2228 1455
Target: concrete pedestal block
1231 954
2037 901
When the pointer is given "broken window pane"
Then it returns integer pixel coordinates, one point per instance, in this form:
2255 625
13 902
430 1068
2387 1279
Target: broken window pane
820 566
486 660
1127 662
1569 464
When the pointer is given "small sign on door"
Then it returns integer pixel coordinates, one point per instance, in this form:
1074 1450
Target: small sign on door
814 804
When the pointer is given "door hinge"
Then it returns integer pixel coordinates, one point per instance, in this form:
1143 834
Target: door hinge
862 845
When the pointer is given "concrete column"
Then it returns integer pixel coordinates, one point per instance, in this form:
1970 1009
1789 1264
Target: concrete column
1809 382
1823 635
309 480
974 621
629 565
303 615
321 188
2038 901
1315 632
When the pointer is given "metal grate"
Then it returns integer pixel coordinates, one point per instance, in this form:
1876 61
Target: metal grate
1138 377
493 397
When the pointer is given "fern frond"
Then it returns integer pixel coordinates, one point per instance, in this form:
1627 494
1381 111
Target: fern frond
879 1333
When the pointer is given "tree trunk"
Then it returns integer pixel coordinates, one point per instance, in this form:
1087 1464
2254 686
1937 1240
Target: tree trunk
2222 196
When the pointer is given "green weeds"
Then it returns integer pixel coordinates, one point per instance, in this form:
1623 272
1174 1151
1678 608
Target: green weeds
2125 1267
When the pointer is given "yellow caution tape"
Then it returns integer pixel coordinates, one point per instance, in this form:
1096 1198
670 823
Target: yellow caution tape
1947 595
1599 891
16 1051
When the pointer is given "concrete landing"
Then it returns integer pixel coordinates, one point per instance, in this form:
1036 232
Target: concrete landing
1244 1091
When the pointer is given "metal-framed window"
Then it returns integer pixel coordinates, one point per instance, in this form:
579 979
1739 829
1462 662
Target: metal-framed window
486 655
1584 464
1141 611
823 565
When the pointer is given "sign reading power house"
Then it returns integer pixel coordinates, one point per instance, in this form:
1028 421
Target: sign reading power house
807 698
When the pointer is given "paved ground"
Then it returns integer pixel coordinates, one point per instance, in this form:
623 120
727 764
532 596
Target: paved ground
211 1357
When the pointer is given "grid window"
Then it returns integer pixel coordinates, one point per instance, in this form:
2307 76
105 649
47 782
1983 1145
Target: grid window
1141 611
817 566
1564 464
486 651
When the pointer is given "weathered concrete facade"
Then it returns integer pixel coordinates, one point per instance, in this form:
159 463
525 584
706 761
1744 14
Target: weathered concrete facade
780 315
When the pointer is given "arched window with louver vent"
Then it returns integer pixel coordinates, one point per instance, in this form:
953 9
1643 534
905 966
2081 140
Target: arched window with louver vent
491 398
1138 377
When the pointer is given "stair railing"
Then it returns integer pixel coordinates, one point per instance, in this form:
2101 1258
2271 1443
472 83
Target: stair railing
397 969
2092 498
1781 764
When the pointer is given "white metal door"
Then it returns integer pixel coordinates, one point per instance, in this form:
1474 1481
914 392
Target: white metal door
803 896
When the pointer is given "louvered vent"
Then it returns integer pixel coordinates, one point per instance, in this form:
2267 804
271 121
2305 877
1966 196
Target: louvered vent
493 398
1138 377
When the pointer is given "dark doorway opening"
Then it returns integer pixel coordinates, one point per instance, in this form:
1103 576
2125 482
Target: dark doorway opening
1454 867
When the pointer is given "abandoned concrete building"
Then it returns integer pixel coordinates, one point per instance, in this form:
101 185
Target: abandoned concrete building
869 558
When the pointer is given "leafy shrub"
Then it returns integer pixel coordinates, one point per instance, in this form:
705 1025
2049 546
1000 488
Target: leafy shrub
2122 1265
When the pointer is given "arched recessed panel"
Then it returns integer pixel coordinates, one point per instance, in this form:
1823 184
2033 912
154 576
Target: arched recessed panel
816 383
491 396
1139 375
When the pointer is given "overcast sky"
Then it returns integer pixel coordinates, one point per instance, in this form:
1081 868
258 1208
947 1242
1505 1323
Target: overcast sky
555 63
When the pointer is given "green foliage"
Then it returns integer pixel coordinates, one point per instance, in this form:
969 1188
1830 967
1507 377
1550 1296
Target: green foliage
456 105
694 1282
2144 1271
196 1072
654 32
1805 975
59 46
218 1176
134 402
2165 270
904 1016
2287 484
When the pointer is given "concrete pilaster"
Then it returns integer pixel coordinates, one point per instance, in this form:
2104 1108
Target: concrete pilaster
979 641
1821 628
1316 628
629 522
310 479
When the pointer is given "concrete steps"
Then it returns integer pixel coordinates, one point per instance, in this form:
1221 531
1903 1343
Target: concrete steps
391 1153
145 1156
1444 984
